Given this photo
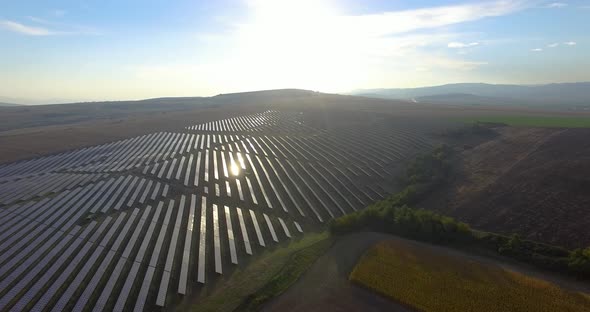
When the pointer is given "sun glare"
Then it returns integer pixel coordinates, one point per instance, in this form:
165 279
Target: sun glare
297 43
235 169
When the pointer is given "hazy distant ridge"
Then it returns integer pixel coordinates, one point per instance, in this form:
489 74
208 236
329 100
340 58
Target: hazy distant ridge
8 104
481 93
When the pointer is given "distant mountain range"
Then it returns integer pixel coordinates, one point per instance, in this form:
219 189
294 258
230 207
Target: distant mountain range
8 104
570 95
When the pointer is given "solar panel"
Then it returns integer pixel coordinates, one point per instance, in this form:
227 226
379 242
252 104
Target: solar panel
108 288
161 235
182 284
67 295
216 241
148 235
266 198
202 241
244 232
230 236
155 192
161 299
92 286
270 227
144 290
285 228
257 229
298 227
126 290
135 235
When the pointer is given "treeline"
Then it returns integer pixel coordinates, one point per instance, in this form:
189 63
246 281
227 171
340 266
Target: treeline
395 215
472 129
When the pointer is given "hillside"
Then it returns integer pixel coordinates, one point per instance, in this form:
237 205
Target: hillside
462 99
55 114
8 104
558 95
530 181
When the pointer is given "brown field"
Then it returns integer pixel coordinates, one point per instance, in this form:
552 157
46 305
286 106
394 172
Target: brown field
434 281
37 141
528 181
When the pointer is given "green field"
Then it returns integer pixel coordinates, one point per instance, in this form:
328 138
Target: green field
534 121
268 275
428 281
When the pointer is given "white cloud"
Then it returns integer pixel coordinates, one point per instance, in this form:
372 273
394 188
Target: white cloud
553 45
58 13
25 29
409 20
459 45
312 44
38 20
556 5
537 50
452 64
43 27
570 43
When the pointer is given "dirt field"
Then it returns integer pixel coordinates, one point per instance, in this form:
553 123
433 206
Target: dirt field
528 181
325 287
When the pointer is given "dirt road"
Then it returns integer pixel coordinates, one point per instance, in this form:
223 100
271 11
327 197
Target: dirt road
325 287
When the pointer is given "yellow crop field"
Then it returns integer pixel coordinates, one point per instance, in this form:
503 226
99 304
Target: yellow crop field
429 281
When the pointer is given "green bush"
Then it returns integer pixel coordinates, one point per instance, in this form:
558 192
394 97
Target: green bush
579 261
404 221
472 129
430 169
392 215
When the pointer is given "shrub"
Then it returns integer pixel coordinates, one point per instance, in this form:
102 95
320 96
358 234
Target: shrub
579 261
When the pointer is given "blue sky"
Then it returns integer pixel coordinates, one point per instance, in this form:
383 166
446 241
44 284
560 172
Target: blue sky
106 50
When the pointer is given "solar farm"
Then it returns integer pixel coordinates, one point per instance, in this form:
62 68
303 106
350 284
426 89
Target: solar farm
140 223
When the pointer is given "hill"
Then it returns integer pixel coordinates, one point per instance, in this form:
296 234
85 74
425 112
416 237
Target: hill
29 131
8 104
557 95
34 130
461 99
530 181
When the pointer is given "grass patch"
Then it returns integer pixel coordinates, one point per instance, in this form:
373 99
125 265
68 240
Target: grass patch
264 276
297 264
534 121
431 281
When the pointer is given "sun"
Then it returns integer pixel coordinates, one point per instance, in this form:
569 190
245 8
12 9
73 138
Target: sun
295 44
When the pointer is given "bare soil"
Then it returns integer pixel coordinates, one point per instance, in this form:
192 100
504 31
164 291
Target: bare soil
529 181
325 286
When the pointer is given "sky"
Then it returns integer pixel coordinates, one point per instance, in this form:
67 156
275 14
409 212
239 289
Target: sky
86 50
